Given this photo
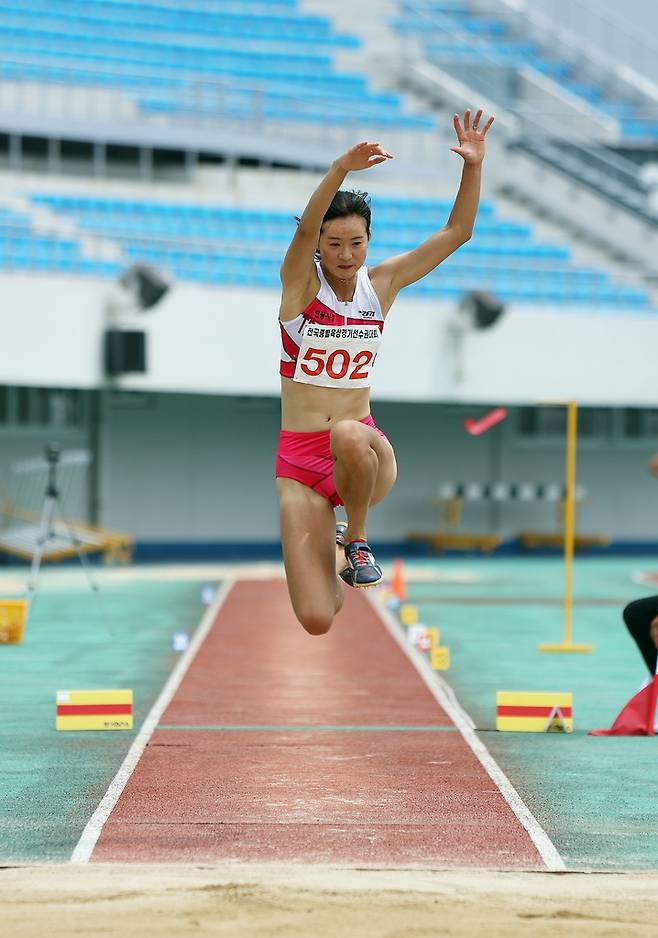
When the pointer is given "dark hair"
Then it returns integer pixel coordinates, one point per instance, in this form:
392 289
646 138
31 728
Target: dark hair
345 203
349 202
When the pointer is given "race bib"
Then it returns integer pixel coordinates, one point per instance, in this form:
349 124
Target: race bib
337 356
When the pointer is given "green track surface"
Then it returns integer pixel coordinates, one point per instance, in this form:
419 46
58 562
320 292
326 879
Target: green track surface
51 782
595 797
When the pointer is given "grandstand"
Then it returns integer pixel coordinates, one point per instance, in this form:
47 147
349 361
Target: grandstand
485 39
126 73
243 246
187 137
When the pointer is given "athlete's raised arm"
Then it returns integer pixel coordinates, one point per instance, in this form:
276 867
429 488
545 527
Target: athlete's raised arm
397 272
297 267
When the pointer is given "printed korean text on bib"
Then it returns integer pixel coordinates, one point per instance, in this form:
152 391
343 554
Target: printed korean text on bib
337 356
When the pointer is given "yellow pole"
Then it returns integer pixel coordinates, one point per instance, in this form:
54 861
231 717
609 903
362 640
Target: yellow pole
569 520
569 536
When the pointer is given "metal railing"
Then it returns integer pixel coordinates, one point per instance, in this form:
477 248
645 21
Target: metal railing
279 120
563 138
526 23
593 32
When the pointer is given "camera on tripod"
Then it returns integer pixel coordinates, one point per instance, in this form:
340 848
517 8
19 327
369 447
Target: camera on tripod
53 452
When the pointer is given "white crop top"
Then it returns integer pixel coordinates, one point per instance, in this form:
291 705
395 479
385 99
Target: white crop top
334 343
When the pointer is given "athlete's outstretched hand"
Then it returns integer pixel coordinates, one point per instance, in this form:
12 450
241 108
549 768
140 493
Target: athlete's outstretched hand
362 156
471 138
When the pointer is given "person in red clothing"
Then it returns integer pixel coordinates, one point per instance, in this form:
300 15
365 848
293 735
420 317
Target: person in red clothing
332 315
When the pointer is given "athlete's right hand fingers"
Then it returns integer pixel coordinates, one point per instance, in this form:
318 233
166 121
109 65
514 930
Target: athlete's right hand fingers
364 154
367 147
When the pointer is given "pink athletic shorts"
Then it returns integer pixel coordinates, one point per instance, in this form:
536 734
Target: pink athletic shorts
306 457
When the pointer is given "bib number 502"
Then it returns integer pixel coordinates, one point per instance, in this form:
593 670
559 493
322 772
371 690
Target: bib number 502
336 363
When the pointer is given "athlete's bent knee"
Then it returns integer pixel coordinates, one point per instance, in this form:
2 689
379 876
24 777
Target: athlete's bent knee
314 623
314 617
348 440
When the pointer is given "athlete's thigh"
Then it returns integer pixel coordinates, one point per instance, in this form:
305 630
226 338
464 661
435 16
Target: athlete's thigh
388 469
308 538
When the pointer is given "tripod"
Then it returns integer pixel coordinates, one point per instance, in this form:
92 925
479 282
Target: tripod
47 532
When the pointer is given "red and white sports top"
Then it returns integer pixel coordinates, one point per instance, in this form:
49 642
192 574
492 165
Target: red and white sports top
334 343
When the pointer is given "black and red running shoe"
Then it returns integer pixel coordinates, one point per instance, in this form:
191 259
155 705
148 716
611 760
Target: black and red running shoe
341 529
346 574
363 569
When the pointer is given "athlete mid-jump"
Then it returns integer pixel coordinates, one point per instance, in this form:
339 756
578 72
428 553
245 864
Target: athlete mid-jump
332 316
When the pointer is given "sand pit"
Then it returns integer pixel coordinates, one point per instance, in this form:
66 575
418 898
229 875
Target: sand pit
245 900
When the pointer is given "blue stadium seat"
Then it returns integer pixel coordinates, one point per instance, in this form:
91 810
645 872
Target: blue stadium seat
243 246
242 46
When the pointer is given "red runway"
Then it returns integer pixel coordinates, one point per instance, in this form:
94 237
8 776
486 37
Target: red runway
283 747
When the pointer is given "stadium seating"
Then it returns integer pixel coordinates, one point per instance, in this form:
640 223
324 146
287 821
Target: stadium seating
239 60
455 34
22 248
228 245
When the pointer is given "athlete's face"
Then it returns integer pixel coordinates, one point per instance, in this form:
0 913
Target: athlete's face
343 246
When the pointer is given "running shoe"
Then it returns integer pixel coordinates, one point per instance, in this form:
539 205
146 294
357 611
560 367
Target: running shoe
341 528
346 574
363 568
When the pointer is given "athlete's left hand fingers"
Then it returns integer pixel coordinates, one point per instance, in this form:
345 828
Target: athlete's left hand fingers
487 125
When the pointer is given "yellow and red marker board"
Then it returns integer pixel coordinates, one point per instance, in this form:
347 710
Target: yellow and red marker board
94 710
440 657
534 711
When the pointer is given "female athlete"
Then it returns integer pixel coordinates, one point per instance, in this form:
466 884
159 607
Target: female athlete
332 315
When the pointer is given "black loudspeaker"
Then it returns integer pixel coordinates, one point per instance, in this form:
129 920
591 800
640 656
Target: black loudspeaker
145 285
125 351
483 308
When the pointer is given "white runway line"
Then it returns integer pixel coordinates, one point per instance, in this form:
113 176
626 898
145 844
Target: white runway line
89 837
58 578
445 697
146 573
645 578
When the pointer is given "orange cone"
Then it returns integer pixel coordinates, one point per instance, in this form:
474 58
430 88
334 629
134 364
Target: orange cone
398 585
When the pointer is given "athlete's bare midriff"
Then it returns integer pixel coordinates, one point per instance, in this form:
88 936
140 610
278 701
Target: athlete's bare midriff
309 409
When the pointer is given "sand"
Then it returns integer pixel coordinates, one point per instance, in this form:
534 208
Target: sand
245 900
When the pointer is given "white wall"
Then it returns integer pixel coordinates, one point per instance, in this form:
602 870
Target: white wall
197 468
51 331
190 458
188 467
203 340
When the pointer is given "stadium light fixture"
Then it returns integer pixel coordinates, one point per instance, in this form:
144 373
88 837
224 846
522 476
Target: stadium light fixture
477 310
136 291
